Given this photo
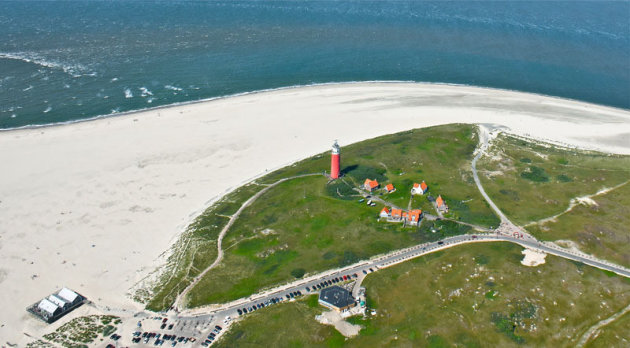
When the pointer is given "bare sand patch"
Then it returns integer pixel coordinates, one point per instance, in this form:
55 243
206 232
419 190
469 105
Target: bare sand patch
335 319
532 257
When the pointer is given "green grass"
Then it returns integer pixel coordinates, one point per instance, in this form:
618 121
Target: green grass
283 326
601 230
304 225
530 182
440 300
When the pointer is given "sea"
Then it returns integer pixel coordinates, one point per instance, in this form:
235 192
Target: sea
65 61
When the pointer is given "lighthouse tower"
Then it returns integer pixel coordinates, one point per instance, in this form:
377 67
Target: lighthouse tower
335 161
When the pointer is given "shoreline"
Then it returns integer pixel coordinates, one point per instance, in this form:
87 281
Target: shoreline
96 205
278 89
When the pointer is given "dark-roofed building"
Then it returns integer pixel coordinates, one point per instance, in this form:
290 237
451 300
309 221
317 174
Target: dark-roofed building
337 298
56 305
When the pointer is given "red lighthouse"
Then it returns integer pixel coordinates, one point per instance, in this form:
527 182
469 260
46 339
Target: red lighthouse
335 161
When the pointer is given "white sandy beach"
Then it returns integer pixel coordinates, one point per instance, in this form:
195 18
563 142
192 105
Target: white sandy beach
93 205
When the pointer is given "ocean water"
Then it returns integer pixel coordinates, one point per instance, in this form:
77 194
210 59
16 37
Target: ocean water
68 60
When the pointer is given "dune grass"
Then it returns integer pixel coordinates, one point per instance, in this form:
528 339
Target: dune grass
530 182
441 300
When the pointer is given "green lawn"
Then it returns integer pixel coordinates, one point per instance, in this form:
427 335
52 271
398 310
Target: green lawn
442 300
305 225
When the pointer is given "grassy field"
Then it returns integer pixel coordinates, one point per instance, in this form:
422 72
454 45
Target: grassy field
284 325
304 225
477 295
613 335
531 182
601 229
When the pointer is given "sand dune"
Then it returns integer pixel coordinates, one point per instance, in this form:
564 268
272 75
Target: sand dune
93 205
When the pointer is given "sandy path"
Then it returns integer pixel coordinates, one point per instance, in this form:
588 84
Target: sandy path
595 328
94 205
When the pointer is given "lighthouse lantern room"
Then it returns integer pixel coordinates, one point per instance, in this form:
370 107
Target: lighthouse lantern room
335 161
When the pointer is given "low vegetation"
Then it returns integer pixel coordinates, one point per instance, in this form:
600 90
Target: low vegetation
531 182
307 225
82 331
615 334
442 300
599 227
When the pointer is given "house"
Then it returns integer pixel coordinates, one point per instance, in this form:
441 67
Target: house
59 302
337 298
47 309
414 216
56 305
370 185
397 214
441 205
419 189
390 188
385 213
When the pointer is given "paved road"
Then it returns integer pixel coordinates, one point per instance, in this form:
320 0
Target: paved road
280 293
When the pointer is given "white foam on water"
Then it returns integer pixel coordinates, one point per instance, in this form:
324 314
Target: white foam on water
144 92
74 70
128 93
27 88
173 88
48 109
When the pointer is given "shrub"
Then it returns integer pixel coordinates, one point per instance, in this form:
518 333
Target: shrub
298 272
535 174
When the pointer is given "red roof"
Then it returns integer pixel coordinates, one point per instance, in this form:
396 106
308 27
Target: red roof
415 185
397 212
423 186
414 215
385 210
370 183
439 201
389 187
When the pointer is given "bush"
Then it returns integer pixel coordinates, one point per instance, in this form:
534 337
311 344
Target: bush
563 178
361 172
535 174
341 190
298 272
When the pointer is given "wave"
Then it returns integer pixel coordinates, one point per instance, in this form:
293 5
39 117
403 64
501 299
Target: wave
144 92
74 70
173 88
128 93
48 109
